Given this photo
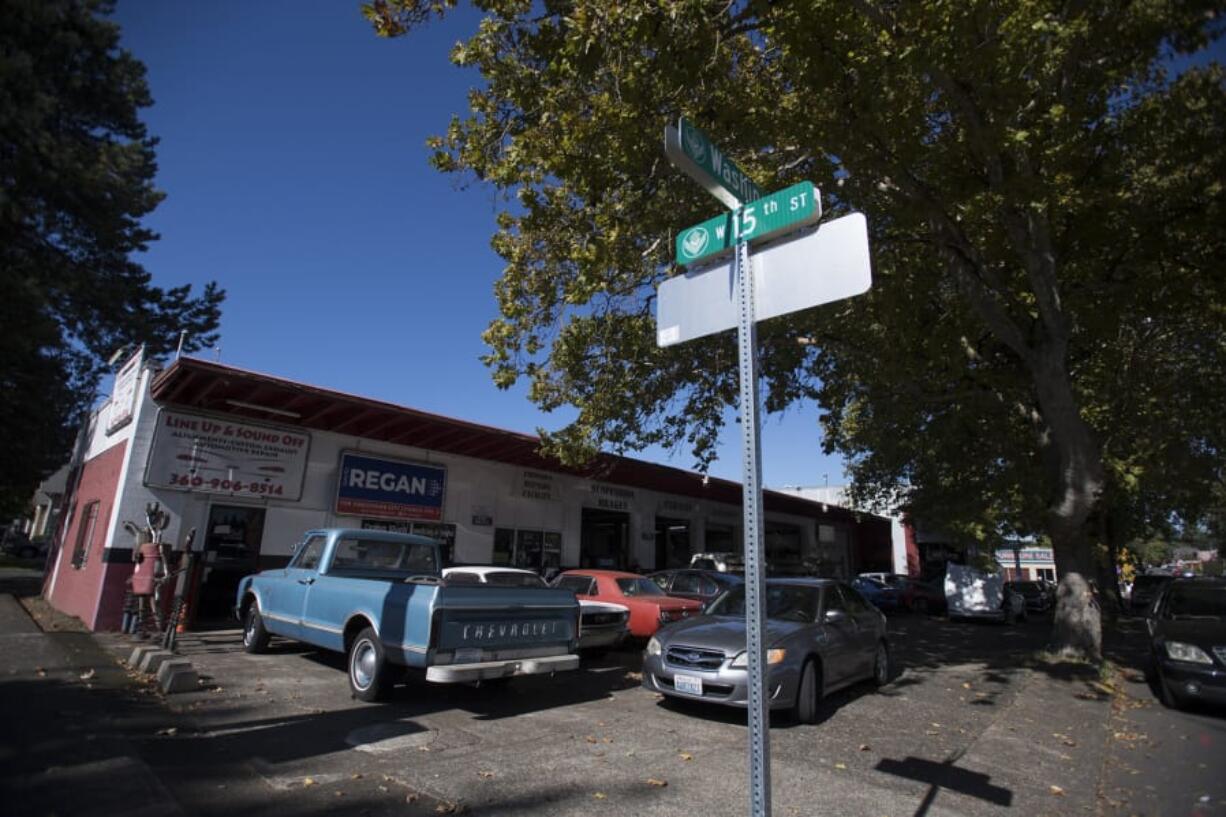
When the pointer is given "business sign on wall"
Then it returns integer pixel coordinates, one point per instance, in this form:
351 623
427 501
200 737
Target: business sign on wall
611 497
123 395
537 485
389 489
211 455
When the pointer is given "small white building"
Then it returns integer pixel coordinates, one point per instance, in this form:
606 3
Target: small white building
252 461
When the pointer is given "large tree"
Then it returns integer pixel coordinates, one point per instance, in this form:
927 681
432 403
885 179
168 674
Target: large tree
77 167
1045 198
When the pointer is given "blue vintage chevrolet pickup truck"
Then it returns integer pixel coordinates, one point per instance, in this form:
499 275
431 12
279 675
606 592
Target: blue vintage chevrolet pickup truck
380 598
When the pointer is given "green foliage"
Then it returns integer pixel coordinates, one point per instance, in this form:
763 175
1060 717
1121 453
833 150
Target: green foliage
78 171
1042 346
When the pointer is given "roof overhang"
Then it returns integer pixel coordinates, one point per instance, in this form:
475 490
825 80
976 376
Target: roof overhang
201 385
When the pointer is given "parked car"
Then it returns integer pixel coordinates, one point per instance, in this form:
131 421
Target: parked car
821 635
1187 631
699 585
649 606
379 597
722 561
971 593
1036 597
913 594
921 597
1145 589
602 625
879 594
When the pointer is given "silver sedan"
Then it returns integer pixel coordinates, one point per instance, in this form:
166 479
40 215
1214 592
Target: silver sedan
821 635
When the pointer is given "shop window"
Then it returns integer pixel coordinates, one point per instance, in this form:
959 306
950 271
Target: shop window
441 532
1047 573
85 535
529 549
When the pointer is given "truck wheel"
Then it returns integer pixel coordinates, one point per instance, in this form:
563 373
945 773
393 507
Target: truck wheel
808 693
255 637
368 671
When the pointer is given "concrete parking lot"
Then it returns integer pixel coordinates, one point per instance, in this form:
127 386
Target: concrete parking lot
970 725
594 740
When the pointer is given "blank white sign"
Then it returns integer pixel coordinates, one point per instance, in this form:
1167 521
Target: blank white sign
819 265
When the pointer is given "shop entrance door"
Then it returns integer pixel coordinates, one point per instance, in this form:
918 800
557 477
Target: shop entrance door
672 543
604 539
231 550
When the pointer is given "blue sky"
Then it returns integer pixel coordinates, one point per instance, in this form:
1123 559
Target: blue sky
292 152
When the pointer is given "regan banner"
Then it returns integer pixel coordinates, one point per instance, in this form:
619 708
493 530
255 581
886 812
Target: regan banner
390 489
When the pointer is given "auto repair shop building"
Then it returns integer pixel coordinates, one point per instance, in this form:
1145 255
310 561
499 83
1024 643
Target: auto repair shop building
252 461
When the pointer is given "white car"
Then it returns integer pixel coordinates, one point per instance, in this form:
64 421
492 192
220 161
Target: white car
603 625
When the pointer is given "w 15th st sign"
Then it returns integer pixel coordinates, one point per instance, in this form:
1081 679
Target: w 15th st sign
781 211
689 149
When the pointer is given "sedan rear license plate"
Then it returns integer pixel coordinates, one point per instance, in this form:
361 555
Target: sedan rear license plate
687 683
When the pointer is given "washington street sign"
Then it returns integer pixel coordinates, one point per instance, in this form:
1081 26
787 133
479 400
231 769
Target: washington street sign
689 149
762 219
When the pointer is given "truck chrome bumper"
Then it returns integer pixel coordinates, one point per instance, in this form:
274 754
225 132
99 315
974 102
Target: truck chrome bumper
486 670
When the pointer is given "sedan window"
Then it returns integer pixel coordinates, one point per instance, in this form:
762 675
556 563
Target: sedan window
639 587
784 602
1185 601
686 583
510 578
661 579
579 585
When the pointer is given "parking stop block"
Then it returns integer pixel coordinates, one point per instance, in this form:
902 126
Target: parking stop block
178 675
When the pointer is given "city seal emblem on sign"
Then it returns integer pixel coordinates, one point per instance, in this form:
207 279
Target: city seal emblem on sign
695 242
695 144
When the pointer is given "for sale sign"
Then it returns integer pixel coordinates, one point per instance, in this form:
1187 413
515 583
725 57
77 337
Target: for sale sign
214 455
379 488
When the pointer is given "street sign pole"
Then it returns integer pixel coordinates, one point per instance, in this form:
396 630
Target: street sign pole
755 585
753 217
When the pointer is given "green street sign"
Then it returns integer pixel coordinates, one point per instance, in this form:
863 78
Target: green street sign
690 149
781 211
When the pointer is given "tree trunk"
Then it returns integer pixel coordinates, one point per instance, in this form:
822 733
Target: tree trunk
1078 485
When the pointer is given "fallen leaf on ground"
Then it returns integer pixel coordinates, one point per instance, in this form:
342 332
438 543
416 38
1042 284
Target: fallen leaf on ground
85 676
864 747
591 739
411 797
600 796
1056 790
310 781
169 731
657 782
40 672
840 765
966 684
685 756
485 775
355 776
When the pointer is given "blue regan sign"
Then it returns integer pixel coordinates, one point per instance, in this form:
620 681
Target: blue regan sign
390 489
